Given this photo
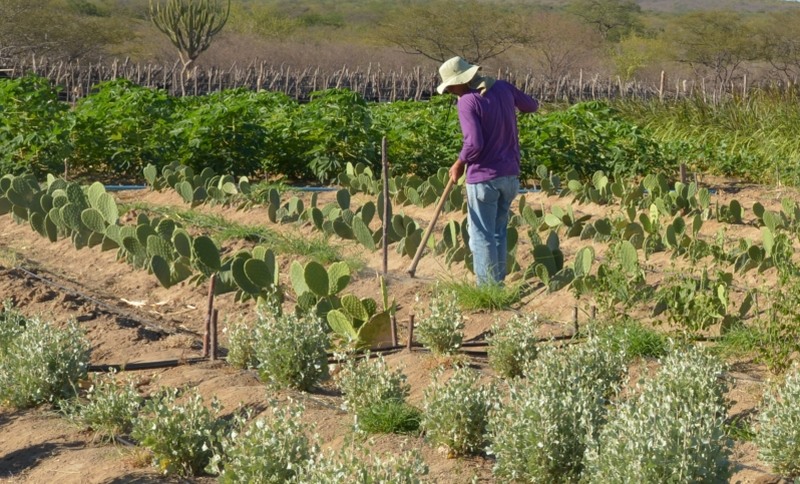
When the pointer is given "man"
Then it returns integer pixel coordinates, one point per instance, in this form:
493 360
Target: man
490 153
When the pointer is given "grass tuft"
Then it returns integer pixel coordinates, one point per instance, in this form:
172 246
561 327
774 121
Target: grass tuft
634 339
390 417
490 296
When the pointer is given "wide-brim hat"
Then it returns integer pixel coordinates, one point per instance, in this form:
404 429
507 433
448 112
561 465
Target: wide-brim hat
456 71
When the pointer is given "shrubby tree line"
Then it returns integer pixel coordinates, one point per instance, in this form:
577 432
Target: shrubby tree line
720 41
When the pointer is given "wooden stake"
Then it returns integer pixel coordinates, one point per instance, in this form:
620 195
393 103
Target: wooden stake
394 330
410 332
213 339
575 318
386 203
206 336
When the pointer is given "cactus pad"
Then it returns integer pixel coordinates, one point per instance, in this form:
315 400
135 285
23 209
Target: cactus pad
204 250
316 278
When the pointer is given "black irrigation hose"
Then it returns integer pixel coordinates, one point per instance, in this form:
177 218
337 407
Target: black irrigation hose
149 325
147 365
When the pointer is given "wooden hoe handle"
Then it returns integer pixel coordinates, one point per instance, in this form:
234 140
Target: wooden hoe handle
413 268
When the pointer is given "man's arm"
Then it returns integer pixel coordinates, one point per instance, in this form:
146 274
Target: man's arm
524 102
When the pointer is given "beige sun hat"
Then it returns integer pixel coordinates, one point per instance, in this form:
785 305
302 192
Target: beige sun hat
456 71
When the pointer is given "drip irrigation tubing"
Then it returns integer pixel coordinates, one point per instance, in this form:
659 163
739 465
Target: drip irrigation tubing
148 325
146 365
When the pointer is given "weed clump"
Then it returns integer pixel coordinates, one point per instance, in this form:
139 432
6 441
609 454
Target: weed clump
376 396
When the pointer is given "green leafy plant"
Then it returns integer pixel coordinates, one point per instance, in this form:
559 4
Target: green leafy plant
778 436
513 346
357 463
390 417
122 127
696 304
544 429
337 128
634 339
442 329
39 362
108 408
368 382
779 328
673 430
180 430
290 349
34 127
455 411
485 296
269 450
620 280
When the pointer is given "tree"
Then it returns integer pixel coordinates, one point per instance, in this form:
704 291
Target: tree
190 24
613 19
780 43
442 29
561 44
715 42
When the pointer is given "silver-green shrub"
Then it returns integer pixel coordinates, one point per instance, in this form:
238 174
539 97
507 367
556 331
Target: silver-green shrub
39 362
109 407
357 464
290 349
671 432
512 346
455 411
241 341
182 433
541 433
779 435
368 382
442 329
269 450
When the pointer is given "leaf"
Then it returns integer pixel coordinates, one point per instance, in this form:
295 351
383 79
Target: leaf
316 278
341 325
376 331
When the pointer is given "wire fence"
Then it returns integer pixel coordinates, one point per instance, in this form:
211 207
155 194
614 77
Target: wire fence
77 79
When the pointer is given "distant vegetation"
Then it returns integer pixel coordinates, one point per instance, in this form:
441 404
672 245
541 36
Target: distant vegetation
718 40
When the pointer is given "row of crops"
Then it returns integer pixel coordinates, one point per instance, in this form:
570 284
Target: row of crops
120 128
289 349
645 217
554 414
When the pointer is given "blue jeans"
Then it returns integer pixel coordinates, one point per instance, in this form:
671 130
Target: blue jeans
488 204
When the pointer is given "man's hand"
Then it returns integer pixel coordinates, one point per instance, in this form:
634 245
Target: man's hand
457 170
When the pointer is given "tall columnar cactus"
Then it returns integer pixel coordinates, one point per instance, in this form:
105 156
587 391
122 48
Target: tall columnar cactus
190 24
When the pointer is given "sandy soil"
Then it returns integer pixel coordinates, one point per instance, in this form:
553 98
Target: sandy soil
129 318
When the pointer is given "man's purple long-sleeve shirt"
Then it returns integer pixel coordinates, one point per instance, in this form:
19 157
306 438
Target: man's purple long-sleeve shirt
489 125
